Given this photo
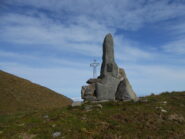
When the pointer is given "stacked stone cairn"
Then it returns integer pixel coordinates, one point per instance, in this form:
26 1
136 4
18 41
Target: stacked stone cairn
112 84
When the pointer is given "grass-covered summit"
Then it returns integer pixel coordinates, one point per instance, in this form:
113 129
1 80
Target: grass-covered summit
155 116
17 94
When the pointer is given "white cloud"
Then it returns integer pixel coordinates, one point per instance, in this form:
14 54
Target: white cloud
129 50
175 47
81 38
78 27
45 60
120 13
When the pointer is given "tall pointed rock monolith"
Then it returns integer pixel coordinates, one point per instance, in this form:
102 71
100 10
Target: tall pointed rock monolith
108 67
112 84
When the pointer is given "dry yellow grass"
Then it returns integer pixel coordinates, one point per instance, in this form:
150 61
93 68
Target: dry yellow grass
17 94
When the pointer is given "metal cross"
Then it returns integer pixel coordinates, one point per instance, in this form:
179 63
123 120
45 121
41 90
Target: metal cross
94 65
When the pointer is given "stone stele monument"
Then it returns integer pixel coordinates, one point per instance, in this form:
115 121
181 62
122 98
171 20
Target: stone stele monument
112 84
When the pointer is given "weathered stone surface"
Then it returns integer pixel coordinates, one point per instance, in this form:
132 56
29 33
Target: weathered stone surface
121 74
88 91
90 98
108 67
91 107
124 90
88 107
46 116
100 101
109 72
107 89
122 93
56 134
91 81
112 84
99 106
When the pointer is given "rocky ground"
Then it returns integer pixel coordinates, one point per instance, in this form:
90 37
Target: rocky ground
155 116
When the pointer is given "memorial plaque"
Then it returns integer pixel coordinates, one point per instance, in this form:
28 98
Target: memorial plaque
109 67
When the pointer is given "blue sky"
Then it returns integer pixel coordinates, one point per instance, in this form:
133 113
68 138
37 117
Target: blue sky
52 42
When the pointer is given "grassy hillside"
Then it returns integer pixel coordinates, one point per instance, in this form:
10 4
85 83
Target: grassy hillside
155 116
17 94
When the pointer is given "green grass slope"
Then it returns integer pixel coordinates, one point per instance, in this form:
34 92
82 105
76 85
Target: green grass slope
17 94
153 117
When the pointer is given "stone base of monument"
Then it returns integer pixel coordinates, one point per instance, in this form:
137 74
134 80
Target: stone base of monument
109 88
112 84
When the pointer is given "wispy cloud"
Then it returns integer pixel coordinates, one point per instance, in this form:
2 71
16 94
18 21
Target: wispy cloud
53 42
177 44
175 47
121 13
81 38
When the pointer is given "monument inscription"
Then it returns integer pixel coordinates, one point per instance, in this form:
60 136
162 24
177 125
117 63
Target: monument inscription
109 67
